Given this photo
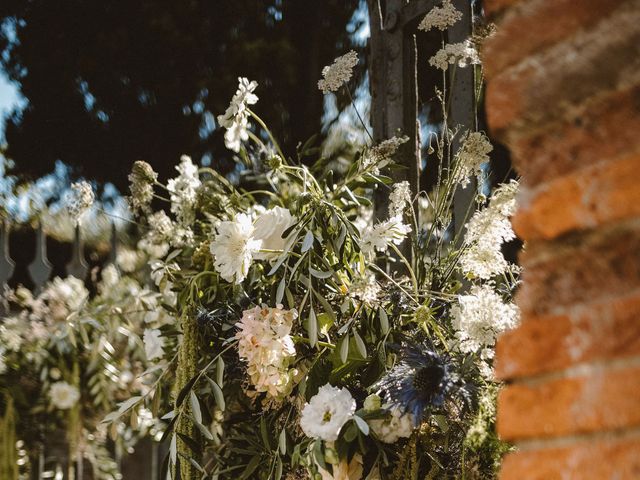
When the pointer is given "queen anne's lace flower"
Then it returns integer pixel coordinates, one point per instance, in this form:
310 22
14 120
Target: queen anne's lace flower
80 199
141 180
461 54
383 234
379 156
397 425
153 343
326 413
63 396
480 316
441 17
264 342
234 247
338 73
487 230
399 198
473 153
235 118
183 190
269 227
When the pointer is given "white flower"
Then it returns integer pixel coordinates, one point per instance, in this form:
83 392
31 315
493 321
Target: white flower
63 396
80 199
487 230
11 338
344 470
153 343
440 17
473 153
234 247
183 190
461 54
383 234
128 259
365 288
3 361
397 425
379 156
63 297
338 73
235 118
326 413
480 316
398 199
269 227
265 343
141 180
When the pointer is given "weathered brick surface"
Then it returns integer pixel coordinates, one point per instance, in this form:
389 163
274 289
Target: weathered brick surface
599 460
520 33
592 196
581 268
591 134
564 96
596 331
547 86
599 399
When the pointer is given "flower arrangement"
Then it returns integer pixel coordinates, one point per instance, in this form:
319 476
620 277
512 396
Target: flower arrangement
316 342
67 359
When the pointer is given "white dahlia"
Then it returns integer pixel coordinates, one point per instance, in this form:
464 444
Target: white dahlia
234 247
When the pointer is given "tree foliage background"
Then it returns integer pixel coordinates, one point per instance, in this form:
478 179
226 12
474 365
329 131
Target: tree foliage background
107 82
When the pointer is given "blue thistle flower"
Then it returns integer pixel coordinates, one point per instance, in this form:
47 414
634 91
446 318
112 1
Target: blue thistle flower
420 381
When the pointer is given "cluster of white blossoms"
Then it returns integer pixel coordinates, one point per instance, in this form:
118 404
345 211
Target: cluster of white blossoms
63 396
487 230
141 180
236 118
480 316
461 54
441 17
265 343
338 73
399 198
473 153
3 360
153 343
239 241
397 425
10 334
327 412
379 156
379 237
183 190
365 288
60 298
80 199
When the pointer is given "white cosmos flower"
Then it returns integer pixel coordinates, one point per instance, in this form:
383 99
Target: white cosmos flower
383 234
326 413
269 227
234 247
153 343
63 396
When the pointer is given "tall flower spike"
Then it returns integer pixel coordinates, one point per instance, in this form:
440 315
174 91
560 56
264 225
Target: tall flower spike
338 73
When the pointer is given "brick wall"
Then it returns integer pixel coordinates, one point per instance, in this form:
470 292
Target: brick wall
564 95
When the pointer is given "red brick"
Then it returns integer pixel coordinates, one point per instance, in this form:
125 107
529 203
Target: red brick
601 399
603 193
520 33
587 267
617 459
548 86
590 135
597 331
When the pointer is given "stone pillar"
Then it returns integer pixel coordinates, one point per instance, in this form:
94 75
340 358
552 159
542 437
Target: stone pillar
564 96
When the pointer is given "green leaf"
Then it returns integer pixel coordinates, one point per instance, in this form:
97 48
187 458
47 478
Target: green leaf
278 475
217 394
251 466
264 433
362 349
307 241
344 349
282 442
319 273
326 306
220 371
280 290
195 407
362 425
205 431
313 328
384 320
